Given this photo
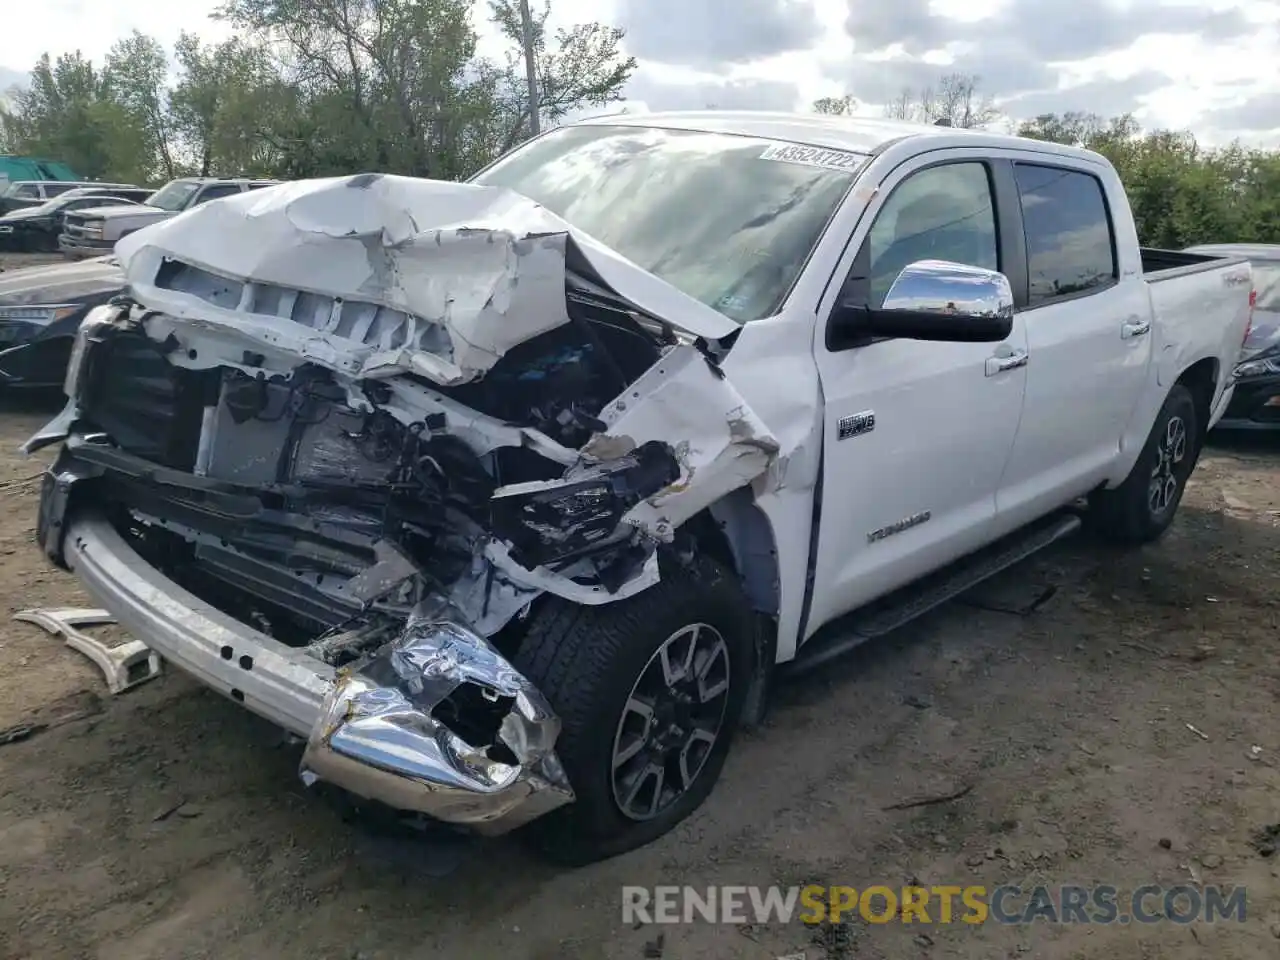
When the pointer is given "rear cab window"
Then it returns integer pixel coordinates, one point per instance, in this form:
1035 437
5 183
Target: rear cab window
216 191
1071 248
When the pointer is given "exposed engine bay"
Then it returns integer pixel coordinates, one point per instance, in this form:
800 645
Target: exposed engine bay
388 471
323 509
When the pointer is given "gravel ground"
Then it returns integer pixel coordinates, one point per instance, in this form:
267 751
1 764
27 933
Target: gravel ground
169 823
16 261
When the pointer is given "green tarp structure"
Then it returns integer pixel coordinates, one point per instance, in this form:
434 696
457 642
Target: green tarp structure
32 168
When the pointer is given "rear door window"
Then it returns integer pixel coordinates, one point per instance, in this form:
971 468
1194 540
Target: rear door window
1070 243
53 189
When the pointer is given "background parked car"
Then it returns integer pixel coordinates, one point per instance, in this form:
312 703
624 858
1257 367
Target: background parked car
37 228
94 232
40 311
32 193
1256 404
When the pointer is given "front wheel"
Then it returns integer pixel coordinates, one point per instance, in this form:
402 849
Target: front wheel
649 691
1141 508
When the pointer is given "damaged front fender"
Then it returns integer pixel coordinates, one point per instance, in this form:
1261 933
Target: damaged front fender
438 722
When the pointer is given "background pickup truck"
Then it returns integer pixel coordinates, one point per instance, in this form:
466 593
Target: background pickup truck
511 496
93 232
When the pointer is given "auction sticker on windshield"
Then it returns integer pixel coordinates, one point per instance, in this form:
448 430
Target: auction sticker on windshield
813 156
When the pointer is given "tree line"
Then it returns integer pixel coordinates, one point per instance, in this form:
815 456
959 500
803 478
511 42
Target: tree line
1181 192
306 88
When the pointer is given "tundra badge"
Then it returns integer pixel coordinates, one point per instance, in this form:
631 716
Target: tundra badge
906 523
856 425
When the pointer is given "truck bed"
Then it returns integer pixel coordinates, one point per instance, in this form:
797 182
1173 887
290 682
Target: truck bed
1160 265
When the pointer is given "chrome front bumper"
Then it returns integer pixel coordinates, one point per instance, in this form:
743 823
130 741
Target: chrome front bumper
369 728
274 681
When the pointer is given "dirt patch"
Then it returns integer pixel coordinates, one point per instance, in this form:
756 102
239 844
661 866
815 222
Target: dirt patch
1127 732
16 261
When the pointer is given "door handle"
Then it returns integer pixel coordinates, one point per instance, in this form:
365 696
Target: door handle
1134 328
1011 361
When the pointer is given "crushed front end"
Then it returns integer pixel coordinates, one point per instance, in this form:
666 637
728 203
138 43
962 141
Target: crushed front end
331 483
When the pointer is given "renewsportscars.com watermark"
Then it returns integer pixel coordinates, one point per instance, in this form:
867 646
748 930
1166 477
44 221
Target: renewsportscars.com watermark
1006 904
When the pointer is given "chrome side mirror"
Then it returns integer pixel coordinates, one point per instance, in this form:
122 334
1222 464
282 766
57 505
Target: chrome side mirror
941 300
954 289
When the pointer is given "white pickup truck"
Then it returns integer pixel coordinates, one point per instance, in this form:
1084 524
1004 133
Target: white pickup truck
510 496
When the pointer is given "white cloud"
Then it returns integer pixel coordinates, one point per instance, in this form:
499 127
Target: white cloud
1217 80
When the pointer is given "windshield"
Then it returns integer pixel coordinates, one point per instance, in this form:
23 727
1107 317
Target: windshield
728 220
173 196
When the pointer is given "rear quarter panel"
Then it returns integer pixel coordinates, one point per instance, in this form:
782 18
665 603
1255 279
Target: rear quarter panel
1199 313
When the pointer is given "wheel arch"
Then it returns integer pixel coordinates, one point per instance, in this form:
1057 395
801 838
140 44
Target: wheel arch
1201 380
735 532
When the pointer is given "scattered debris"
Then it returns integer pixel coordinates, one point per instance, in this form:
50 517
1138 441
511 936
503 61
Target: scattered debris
1235 503
1203 651
994 604
20 732
836 939
1199 733
165 812
931 800
1275 930
1254 752
920 703
180 807
922 940
1143 647
975 860
653 948
20 481
1211 862
1192 872
1266 840
1166 843
78 705
124 666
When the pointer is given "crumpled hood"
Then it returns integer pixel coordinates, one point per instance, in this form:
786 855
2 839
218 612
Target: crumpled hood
474 269
61 282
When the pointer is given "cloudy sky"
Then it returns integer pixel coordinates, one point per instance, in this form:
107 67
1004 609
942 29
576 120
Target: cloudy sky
1208 65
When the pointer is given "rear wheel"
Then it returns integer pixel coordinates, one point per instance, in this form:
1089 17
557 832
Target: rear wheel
1141 508
649 691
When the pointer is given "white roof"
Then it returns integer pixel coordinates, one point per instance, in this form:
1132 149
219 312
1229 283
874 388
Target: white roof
863 135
